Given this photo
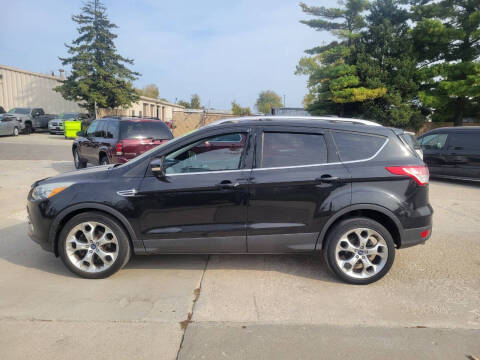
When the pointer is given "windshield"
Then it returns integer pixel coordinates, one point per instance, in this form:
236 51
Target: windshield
24 111
68 116
144 129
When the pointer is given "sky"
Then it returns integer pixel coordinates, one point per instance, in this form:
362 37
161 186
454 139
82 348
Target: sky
223 50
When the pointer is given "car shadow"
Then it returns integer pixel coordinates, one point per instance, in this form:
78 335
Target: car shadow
18 249
464 183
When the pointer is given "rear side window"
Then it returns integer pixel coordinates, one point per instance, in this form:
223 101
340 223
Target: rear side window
465 141
281 149
157 130
353 146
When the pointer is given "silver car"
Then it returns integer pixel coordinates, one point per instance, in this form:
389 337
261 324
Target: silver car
55 126
9 125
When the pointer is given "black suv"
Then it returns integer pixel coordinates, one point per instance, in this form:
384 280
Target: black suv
350 188
453 153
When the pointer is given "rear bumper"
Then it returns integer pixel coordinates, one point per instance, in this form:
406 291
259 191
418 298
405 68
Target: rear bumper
416 236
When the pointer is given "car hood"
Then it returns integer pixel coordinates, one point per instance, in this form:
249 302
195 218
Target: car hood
79 175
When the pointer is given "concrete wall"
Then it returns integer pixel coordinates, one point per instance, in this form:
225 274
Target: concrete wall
20 88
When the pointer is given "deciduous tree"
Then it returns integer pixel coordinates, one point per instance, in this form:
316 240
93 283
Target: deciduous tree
267 100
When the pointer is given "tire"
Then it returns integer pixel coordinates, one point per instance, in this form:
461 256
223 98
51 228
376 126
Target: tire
15 131
28 129
348 260
81 249
79 163
104 160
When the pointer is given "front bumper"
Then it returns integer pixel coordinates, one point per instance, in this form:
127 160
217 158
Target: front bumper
55 129
39 225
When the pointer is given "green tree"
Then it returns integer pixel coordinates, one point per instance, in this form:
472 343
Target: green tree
184 103
447 40
386 59
267 100
98 74
151 91
195 102
238 110
334 83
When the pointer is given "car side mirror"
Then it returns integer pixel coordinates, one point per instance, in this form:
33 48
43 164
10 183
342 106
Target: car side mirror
156 166
81 133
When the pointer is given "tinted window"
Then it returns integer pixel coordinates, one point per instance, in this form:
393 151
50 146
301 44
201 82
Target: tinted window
209 154
99 131
353 146
144 129
112 129
292 149
68 116
433 141
467 141
91 129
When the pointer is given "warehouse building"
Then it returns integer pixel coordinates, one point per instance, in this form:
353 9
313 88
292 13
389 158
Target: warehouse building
21 88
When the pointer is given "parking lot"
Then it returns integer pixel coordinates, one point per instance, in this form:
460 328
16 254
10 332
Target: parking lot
234 306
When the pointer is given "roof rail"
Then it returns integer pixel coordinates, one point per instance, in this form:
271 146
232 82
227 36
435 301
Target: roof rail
309 118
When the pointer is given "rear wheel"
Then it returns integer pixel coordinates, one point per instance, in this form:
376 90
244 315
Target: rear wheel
15 131
79 164
359 250
94 245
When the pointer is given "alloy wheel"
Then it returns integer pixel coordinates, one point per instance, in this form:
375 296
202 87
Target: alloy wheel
92 247
361 253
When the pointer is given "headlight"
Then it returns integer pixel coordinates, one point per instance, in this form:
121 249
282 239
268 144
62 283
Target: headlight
48 190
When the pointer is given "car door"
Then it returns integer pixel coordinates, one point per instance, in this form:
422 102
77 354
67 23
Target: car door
434 146
86 142
201 204
463 154
297 183
4 125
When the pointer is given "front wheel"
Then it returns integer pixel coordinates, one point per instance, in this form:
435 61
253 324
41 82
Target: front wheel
79 164
359 250
94 245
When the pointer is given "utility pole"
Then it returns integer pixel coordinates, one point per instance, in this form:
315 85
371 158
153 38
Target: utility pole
283 100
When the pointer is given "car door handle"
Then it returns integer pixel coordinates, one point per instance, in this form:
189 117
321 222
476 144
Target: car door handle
327 179
227 185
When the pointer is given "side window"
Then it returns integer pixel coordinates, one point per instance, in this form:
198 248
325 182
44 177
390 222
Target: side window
292 149
354 146
99 131
211 154
112 130
91 129
434 141
467 141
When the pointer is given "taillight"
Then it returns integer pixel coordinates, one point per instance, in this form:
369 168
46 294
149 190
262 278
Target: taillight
418 173
119 148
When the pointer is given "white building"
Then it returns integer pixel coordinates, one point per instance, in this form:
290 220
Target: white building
21 88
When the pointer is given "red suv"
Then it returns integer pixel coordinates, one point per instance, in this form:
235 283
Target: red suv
116 140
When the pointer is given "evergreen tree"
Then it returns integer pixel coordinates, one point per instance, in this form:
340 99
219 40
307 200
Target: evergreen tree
334 84
386 60
447 40
99 75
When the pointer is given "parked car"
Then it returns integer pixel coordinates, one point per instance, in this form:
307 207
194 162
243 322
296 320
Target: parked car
55 126
116 140
31 119
9 125
2 110
452 153
349 188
